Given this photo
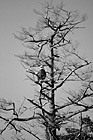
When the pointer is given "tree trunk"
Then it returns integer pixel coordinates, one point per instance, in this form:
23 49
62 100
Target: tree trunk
52 102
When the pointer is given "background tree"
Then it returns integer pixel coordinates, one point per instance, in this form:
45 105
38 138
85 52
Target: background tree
65 91
84 131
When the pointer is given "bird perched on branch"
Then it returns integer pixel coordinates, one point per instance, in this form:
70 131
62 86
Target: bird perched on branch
41 74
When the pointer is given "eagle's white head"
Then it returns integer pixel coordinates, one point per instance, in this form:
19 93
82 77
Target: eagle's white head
41 67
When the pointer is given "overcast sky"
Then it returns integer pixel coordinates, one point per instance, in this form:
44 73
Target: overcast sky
17 13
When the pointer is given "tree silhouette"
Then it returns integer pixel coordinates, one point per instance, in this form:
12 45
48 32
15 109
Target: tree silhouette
67 72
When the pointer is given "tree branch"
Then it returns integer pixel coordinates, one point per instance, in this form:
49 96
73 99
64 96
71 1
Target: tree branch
77 68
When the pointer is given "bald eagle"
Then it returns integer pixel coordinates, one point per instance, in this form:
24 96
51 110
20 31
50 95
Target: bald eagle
41 74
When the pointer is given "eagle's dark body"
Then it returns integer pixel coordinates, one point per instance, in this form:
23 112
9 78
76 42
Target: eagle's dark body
41 74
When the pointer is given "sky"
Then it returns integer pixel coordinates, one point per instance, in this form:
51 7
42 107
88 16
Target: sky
15 14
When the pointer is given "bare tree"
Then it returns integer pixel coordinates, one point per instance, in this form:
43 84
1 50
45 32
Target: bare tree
50 45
